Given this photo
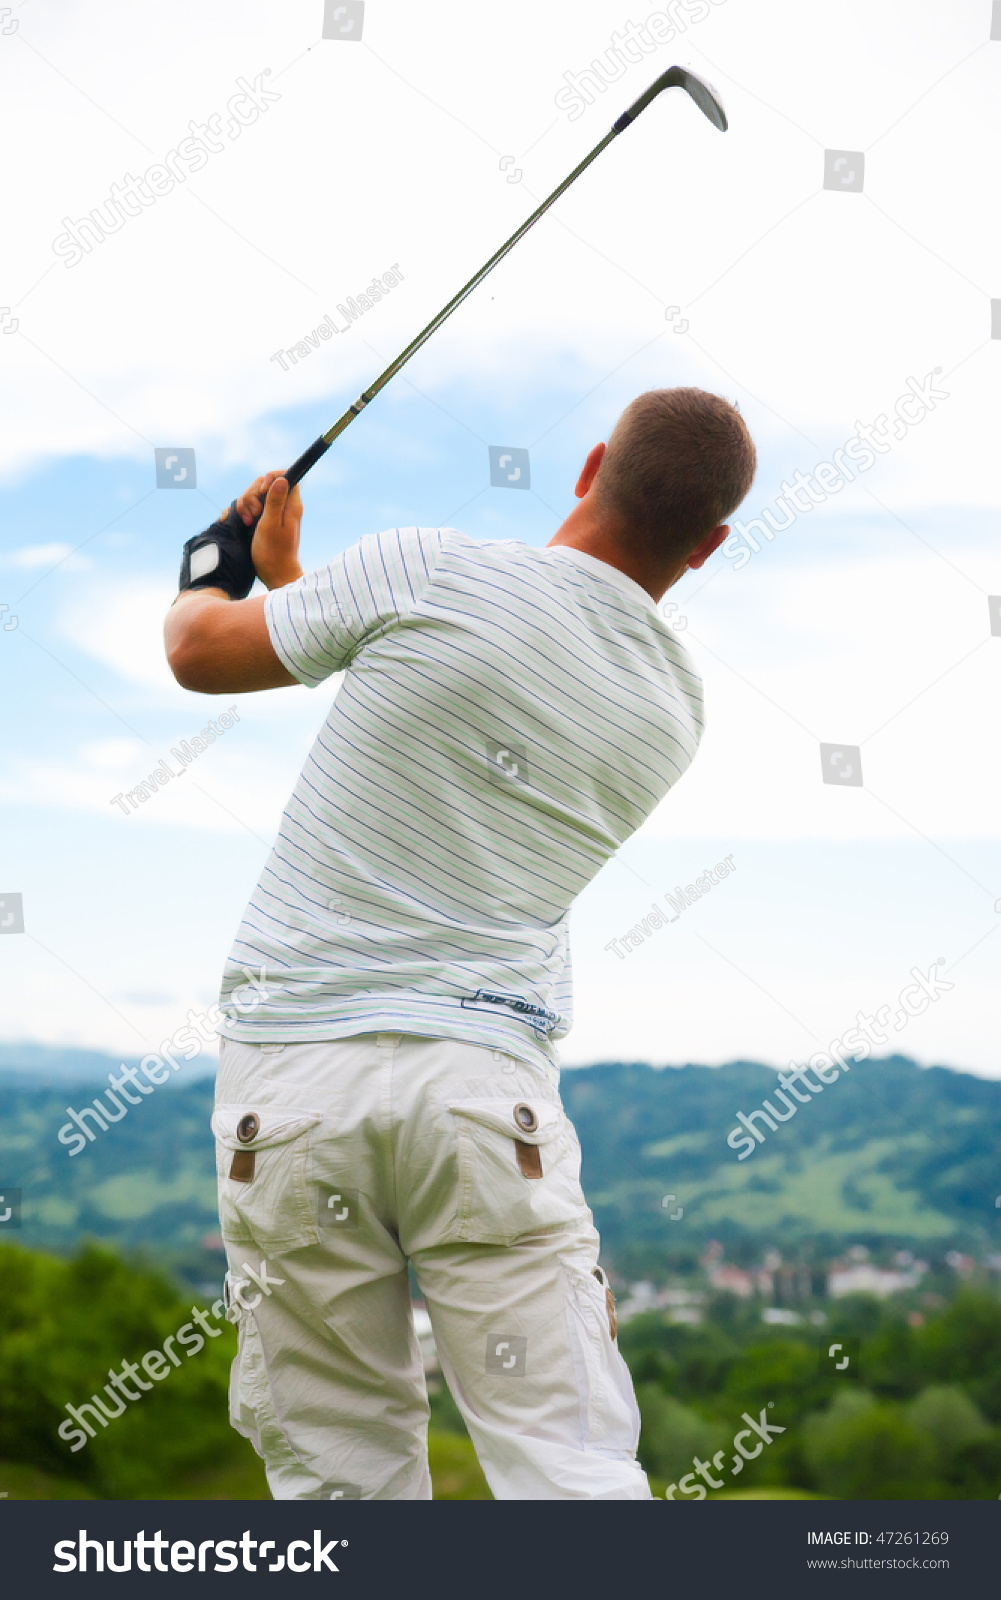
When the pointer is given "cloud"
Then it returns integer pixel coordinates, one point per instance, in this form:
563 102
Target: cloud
154 338
33 556
221 792
892 654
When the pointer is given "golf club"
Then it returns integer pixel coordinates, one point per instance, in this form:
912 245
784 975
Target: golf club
200 558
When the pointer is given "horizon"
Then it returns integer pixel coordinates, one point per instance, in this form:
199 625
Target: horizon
207 1065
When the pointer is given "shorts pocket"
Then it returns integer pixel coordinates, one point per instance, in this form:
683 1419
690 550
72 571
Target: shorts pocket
519 1169
263 1168
251 1407
609 1416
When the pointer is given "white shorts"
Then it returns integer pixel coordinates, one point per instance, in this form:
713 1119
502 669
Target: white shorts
341 1161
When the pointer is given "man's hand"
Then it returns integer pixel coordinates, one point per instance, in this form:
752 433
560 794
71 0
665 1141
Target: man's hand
275 550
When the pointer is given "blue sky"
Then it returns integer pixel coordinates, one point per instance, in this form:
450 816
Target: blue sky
866 623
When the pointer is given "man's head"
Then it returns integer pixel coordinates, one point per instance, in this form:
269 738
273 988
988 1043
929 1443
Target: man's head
679 461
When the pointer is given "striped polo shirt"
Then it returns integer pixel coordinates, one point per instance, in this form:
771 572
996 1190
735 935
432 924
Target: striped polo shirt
507 717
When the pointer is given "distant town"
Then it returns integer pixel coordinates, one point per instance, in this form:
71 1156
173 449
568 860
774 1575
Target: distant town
789 1291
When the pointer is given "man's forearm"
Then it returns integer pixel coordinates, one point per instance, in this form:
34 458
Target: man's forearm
216 636
216 645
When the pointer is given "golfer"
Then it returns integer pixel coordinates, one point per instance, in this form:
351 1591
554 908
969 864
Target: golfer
507 718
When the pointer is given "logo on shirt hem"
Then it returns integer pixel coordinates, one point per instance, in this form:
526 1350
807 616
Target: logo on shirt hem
537 1017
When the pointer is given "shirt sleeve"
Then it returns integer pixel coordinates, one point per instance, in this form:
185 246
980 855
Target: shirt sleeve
319 624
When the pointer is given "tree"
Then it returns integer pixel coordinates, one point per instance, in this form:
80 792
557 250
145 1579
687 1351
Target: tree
64 1326
864 1449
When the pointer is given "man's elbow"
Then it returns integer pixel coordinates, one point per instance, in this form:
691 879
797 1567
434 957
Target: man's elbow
189 667
214 647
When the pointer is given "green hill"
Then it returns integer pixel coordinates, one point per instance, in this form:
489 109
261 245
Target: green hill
892 1157
892 1152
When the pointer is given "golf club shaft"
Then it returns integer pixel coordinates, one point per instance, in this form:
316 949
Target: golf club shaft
675 77
235 537
309 457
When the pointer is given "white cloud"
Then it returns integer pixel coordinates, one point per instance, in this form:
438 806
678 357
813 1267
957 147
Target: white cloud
30 556
120 624
842 649
165 330
219 793
110 755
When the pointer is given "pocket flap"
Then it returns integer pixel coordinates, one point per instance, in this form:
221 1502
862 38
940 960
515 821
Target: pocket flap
509 1116
276 1124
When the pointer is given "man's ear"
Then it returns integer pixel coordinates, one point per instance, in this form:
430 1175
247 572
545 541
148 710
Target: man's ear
590 471
712 541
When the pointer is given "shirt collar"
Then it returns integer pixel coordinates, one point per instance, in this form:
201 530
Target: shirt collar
604 571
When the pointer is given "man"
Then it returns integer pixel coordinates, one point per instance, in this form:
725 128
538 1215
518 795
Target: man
507 719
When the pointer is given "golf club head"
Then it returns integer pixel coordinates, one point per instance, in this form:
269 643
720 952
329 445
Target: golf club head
704 95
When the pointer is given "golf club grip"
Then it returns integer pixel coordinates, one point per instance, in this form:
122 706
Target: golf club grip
296 471
308 459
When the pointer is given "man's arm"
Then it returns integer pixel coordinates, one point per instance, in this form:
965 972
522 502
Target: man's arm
216 645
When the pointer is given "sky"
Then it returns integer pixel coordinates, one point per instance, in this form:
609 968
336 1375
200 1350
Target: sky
416 143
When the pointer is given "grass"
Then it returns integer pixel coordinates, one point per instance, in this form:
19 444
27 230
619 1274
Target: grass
455 1474
769 1494
19 1482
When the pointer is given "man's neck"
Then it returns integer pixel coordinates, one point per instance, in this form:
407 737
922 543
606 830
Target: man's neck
585 530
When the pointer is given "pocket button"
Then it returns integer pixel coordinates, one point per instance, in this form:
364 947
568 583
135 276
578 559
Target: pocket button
526 1118
248 1127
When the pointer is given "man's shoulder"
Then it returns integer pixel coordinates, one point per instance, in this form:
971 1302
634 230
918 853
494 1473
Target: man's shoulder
436 541
421 559
416 557
490 551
